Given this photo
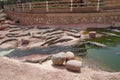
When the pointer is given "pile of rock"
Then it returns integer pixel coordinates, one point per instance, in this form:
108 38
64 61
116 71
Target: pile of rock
60 59
4 23
3 16
68 59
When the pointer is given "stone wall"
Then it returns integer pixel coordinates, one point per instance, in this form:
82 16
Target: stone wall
65 18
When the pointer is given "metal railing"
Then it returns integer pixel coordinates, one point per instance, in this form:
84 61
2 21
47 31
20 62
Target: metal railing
60 6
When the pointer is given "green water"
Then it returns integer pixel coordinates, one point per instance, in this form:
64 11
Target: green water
108 57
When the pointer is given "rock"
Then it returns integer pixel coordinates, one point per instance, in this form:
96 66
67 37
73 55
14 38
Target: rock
92 34
2 36
2 10
4 26
25 41
2 19
70 56
9 22
6 21
58 59
12 23
74 65
3 15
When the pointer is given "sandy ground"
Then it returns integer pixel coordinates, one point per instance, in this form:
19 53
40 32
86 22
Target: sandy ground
11 69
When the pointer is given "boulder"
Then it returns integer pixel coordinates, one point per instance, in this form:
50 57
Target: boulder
58 59
74 65
69 56
92 34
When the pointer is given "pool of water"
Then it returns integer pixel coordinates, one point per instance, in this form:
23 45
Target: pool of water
108 57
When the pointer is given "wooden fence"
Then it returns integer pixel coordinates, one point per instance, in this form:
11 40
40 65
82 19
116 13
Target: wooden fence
65 7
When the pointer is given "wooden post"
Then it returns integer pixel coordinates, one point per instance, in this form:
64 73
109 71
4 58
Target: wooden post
47 8
98 5
30 6
23 8
71 7
17 7
10 7
14 7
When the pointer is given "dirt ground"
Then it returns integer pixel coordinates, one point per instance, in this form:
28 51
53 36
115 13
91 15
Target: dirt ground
11 69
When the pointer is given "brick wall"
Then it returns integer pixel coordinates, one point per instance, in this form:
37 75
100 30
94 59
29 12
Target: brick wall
65 18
